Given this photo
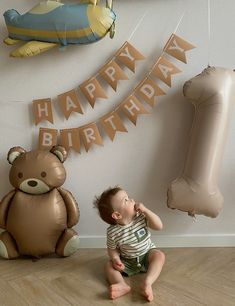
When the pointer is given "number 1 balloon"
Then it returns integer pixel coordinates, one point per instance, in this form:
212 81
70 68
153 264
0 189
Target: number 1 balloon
195 191
51 23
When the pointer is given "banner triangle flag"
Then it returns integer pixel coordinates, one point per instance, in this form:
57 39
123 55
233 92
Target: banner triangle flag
42 110
112 73
92 90
90 135
148 91
128 56
112 123
47 138
177 47
69 103
70 139
132 108
164 69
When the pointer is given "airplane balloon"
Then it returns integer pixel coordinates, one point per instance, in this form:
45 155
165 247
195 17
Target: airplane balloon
51 23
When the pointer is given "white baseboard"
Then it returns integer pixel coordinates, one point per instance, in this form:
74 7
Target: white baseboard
170 241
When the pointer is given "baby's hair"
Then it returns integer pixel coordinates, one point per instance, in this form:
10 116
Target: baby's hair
103 204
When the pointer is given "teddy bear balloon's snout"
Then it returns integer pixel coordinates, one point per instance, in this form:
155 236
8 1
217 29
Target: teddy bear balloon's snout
34 186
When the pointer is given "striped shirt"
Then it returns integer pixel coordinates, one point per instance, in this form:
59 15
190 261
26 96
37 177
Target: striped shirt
132 240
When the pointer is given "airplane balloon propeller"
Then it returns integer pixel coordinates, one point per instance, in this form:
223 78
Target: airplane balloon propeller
51 23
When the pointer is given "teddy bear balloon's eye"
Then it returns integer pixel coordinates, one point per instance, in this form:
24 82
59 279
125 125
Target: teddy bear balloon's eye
43 174
20 175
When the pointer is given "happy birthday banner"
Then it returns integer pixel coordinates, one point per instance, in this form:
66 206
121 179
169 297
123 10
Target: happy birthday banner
131 107
91 89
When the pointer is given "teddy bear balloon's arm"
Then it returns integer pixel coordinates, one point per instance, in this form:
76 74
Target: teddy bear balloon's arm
71 207
4 208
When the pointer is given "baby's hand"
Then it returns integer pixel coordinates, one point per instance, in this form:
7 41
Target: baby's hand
140 207
117 264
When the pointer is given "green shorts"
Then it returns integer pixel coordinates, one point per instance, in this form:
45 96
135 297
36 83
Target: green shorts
135 265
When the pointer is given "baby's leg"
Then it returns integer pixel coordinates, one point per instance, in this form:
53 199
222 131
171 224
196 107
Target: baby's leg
118 286
156 261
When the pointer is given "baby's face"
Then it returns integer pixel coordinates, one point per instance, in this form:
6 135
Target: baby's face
123 204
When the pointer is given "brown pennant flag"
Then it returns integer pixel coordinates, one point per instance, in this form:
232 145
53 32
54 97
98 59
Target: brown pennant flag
69 103
69 138
112 73
111 124
163 69
92 91
148 91
176 47
90 135
128 55
132 108
42 110
47 138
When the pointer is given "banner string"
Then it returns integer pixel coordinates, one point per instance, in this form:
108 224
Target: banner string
132 34
178 24
176 28
209 28
138 24
106 63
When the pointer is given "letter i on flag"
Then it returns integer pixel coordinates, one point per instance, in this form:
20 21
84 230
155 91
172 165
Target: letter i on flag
69 138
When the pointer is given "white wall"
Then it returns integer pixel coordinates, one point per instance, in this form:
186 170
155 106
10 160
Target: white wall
152 154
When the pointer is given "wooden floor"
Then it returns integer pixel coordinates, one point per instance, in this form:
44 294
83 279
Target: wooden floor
190 277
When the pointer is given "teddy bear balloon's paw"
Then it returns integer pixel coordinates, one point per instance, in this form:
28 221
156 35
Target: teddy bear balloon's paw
3 250
71 246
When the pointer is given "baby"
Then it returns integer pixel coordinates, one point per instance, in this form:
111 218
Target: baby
129 245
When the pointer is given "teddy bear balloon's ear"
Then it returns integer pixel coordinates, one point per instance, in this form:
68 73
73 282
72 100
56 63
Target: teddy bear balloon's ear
14 153
60 152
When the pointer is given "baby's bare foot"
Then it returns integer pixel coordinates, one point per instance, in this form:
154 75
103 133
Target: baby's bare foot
147 292
117 290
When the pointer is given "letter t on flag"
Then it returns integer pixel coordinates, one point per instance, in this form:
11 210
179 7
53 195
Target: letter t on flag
112 123
42 110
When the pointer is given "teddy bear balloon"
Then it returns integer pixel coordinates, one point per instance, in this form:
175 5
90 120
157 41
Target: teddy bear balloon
38 215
